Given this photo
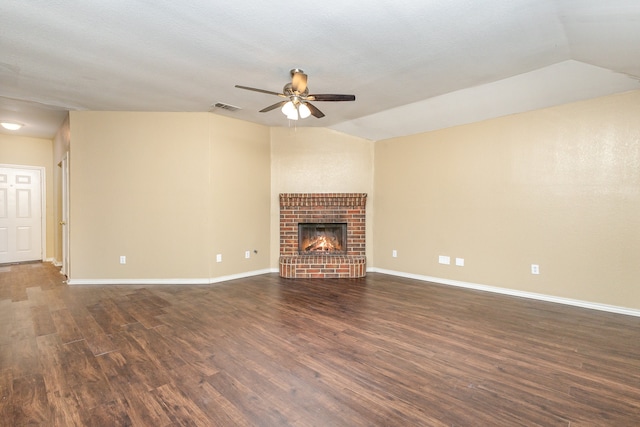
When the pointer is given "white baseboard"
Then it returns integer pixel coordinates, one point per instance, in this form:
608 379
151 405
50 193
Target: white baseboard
457 283
513 292
138 281
53 261
194 281
239 276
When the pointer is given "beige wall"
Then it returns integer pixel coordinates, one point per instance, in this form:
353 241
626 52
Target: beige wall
24 151
165 190
558 187
319 160
240 176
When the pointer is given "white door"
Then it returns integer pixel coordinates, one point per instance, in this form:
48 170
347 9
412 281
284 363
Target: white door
20 215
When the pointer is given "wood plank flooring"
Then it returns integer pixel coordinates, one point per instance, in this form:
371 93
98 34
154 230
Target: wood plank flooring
267 351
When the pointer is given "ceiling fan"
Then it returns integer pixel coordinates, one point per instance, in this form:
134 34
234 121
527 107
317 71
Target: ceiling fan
296 96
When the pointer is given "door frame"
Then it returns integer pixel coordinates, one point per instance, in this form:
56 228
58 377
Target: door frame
43 203
64 164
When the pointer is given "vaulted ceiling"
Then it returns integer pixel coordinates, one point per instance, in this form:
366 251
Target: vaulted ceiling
413 65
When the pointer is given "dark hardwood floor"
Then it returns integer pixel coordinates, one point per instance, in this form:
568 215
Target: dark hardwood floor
266 351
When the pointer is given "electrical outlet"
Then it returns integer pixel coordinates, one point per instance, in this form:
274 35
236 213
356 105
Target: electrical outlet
535 269
442 259
219 258
247 254
394 253
123 259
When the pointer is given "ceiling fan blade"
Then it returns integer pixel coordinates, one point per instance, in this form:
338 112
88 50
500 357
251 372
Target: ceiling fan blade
260 90
314 111
298 81
274 106
331 97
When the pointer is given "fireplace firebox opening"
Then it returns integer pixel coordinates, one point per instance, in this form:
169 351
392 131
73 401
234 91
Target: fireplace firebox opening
324 238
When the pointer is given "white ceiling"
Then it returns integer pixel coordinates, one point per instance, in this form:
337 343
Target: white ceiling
414 65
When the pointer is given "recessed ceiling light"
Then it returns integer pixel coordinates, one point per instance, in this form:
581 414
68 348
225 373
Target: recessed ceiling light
11 125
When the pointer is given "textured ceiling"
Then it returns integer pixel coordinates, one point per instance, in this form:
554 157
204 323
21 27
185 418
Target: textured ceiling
413 65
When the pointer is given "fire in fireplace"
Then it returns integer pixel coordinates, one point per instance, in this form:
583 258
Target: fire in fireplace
325 238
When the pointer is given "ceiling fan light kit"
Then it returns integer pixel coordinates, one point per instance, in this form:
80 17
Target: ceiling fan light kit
294 110
296 104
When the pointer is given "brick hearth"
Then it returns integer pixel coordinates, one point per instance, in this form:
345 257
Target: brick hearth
323 208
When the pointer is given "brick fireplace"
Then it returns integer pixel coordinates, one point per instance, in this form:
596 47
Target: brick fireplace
323 208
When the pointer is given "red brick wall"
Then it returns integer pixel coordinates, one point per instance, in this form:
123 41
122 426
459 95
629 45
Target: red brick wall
311 267
323 207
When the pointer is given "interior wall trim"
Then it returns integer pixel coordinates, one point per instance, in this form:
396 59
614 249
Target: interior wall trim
193 281
513 292
476 286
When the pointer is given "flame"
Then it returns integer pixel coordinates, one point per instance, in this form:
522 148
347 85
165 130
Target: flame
322 243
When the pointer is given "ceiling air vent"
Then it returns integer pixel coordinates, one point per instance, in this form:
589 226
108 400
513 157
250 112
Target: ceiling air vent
227 107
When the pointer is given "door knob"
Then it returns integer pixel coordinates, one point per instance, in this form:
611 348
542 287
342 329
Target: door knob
63 223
